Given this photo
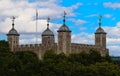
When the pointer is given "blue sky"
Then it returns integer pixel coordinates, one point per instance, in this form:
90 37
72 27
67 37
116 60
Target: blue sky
82 19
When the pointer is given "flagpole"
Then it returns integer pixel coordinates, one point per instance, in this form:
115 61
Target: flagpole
36 25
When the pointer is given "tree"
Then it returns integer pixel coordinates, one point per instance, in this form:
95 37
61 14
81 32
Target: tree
29 62
106 69
26 63
4 46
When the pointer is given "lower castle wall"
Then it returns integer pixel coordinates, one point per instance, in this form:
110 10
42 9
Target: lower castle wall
29 47
40 49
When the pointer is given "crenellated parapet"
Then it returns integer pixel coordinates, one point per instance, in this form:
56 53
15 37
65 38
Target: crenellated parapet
28 47
77 48
39 49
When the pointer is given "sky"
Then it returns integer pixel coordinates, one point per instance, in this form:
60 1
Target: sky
82 19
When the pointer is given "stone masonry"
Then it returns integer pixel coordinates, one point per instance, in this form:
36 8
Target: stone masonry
64 44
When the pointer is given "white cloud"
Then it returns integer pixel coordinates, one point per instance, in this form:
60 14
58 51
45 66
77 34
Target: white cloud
24 12
30 39
78 22
29 35
114 50
113 39
111 5
118 24
107 15
83 38
50 8
113 32
113 18
90 4
92 15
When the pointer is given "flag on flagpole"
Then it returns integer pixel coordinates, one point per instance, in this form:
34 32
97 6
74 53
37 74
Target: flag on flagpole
36 25
36 14
48 19
65 13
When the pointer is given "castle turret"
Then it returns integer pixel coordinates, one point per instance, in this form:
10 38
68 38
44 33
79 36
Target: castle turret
100 35
13 37
48 37
64 38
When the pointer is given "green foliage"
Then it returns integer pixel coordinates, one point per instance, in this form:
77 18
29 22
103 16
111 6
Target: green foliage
89 58
29 62
26 63
49 54
106 69
4 46
26 56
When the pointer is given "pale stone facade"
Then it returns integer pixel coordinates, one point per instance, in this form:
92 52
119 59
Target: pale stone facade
64 40
64 44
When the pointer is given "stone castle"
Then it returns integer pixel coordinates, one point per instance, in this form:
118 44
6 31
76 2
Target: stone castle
63 45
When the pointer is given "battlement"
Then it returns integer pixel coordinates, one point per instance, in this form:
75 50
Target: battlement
28 46
77 48
82 45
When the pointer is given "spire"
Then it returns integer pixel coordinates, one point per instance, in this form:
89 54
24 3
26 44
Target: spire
100 18
13 20
100 29
48 32
64 17
48 20
13 31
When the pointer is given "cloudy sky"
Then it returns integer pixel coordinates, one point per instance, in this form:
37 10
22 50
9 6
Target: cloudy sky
82 19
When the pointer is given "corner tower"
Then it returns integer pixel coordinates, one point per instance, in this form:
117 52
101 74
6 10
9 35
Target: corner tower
13 37
100 36
48 38
64 38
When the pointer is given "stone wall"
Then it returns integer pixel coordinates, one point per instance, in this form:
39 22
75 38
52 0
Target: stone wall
77 48
64 42
29 47
38 49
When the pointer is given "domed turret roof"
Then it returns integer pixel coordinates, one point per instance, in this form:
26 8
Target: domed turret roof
13 31
64 28
100 30
47 32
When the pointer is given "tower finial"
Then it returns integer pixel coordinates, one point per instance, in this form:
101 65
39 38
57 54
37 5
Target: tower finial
100 18
13 20
64 17
48 20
